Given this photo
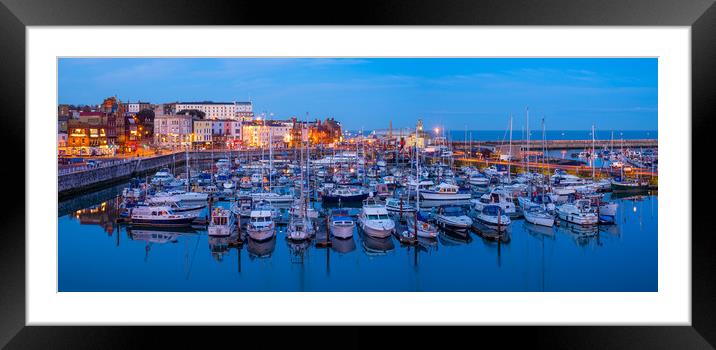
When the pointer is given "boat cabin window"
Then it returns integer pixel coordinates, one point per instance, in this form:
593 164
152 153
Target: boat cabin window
378 217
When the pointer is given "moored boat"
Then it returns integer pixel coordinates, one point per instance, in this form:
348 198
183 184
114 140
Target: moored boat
538 216
579 212
261 226
222 223
452 218
444 191
374 220
341 224
159 216
493 215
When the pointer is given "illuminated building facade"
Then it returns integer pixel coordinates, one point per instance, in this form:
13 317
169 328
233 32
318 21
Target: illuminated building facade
173 130
259 133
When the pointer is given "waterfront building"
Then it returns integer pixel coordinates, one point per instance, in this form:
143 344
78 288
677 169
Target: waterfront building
227 132
203 132
135 107
319 132
85 138
244 110
259 133
211 110
173 130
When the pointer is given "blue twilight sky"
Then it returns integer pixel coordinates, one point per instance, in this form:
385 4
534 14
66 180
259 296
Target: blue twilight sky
480 93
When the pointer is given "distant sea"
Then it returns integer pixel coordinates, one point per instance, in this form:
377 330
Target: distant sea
499 135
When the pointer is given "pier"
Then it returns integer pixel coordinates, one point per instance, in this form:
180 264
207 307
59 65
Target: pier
560 144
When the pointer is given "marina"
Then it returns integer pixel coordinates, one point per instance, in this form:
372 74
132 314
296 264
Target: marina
198 226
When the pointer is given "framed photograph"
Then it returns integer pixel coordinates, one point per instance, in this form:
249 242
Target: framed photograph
459 164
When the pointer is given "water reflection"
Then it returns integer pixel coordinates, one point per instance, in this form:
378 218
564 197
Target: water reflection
260 249
453 238
343 245
524 257
219 246
297 250
376 246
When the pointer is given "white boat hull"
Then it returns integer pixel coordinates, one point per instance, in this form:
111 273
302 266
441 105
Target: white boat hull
609 209
377 230
342 231
220 231
445 197
425 230
502 221
450 223
538 220
577 218
260 234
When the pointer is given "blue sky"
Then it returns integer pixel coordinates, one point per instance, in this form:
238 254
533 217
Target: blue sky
571 93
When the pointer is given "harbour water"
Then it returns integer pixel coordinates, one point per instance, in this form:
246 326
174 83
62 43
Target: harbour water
97 254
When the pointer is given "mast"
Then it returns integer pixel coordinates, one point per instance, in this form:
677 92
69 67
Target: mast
270 154
592 155
527 159
417 173
544 150
188 176
509 154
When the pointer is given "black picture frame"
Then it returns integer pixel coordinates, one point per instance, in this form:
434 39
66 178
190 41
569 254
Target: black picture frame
15 15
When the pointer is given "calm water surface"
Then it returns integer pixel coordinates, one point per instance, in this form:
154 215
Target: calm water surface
96 254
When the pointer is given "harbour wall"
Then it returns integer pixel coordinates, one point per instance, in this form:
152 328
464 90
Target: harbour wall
74 183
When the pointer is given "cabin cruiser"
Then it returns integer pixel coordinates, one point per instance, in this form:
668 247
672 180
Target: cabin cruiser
374 220
543 201
185 198
159 216
422 185
222 223
493 216
580 212
175 205
603 207
261 226
162 177
622 185
272 197
345 194
538 216
497 196
561 178
398 205
341 224
477 179
452 218
444 191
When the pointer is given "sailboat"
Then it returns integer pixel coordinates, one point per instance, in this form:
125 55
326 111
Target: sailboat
419 225
300 227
